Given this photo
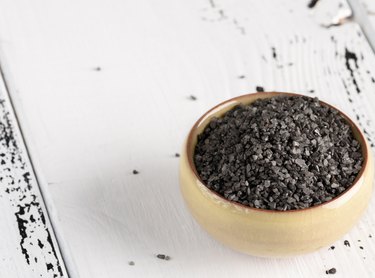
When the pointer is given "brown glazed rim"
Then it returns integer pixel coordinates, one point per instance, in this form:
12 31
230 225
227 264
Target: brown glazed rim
349 121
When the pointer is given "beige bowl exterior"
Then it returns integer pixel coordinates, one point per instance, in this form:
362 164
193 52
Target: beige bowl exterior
268 233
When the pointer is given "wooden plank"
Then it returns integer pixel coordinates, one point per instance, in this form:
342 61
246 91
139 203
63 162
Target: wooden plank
364 16
28 247
369 7
90 127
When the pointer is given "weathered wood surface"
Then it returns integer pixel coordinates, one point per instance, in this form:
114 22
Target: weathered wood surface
369 7
102 88
27 247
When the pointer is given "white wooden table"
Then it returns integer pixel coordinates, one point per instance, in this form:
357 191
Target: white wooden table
101 88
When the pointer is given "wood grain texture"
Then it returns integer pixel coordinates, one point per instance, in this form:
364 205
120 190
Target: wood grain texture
28 247
90 128
369 7
365 10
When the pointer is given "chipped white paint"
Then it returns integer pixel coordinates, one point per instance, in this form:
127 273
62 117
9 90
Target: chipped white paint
89 129
27 247
331 13
343 16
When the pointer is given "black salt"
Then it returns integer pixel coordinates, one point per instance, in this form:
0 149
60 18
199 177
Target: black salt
347 243
163 257
331 271
312 3
280 153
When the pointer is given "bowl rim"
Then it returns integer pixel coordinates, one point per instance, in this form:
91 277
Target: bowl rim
362 142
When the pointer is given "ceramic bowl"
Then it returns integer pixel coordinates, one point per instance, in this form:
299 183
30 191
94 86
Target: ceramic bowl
268 233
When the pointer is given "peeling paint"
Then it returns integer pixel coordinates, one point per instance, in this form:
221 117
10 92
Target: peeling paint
343 16
351 56
274 54
20 188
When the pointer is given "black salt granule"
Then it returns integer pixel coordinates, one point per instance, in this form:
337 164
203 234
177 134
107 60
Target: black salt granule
312 3
280 153
331 271
163 257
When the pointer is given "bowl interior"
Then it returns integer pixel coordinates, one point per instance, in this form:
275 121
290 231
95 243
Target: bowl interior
220 109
